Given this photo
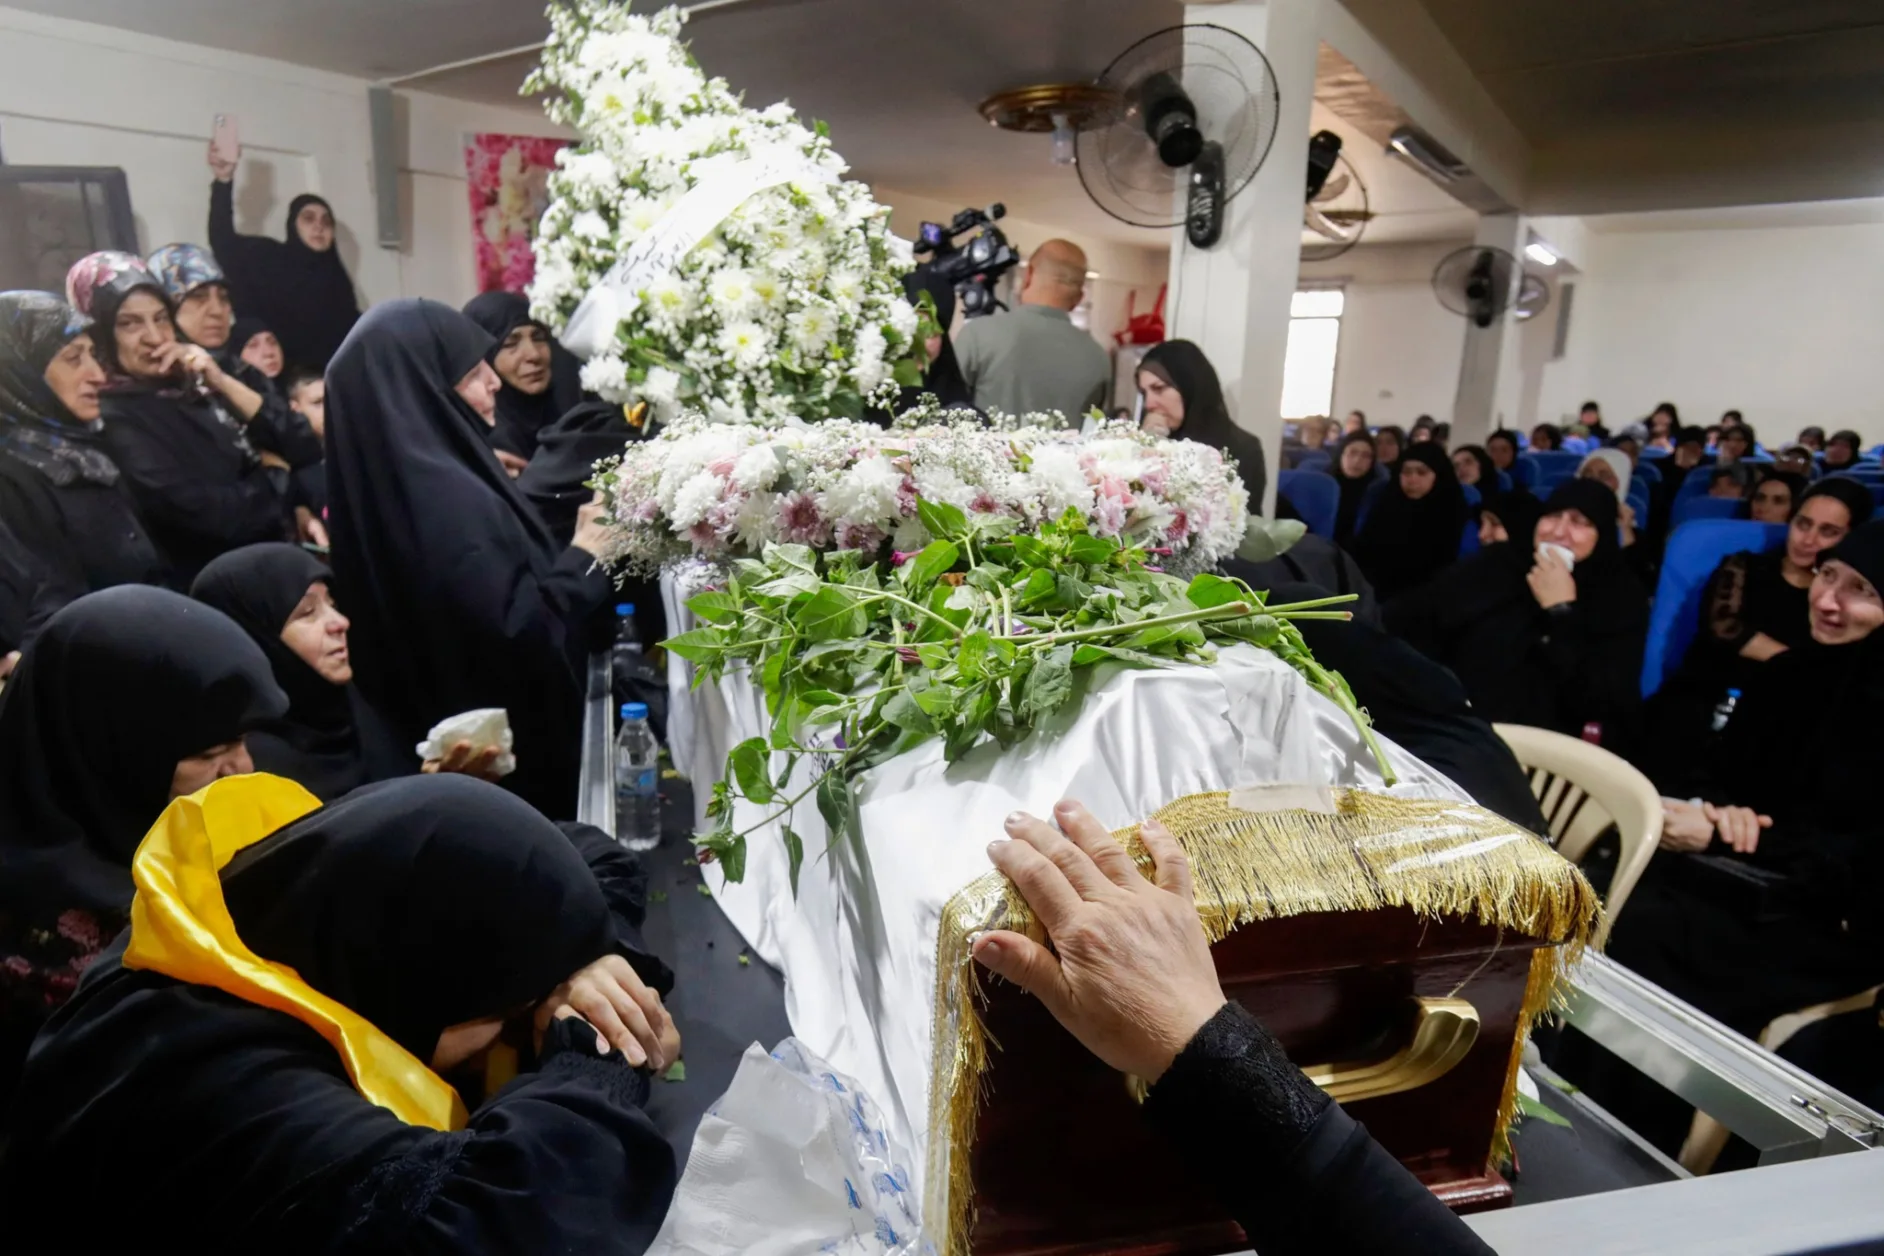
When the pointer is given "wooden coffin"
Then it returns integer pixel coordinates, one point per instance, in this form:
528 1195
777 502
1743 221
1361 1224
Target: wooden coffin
1399 951
1336 988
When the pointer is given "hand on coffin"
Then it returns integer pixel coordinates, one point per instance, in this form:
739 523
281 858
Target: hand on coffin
1132 979
624 1012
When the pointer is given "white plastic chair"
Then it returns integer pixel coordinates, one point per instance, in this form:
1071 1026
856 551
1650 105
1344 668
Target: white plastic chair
1582 790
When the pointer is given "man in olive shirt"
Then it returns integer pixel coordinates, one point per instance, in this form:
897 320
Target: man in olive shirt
1033 359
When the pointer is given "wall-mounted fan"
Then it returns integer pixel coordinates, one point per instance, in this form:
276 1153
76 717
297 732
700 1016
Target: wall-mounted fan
1197 114
1533 296
1477 281
1336 212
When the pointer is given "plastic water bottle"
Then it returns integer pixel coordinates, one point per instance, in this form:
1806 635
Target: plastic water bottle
637 780
627 636
1724 709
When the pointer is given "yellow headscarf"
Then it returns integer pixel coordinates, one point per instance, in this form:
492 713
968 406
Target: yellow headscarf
180 927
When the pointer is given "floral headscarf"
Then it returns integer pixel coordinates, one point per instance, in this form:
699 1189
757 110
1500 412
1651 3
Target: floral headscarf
109 275
35 427
183 268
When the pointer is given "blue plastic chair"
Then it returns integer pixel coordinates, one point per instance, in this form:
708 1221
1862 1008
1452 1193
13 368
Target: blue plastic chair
1472 496
1366 507
1639 502
1655 454
1468 540
1545 462
1504 481
1315 460
1701 506
1577 445
1646 470
1864 474
1315 496
1526 471
1692 554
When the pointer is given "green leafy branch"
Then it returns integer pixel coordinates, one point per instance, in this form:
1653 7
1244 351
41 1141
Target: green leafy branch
982 635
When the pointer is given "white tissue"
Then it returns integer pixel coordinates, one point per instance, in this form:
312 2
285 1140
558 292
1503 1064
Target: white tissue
1547 548
483 729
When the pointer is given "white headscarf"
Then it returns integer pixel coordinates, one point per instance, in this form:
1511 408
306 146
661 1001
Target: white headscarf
1616 461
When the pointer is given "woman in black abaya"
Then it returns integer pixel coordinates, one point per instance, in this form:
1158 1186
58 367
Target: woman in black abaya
1183 398
459 596
61 496
299 287
433 911
1353 473
1535 642
126 699
540 377
1414 529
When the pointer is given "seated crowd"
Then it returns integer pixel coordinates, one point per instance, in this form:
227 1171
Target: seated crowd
249 531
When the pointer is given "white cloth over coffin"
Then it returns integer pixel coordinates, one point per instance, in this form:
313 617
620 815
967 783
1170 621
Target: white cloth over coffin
858 945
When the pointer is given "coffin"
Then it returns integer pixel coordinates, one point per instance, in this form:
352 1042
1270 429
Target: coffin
1412 1012
1335 897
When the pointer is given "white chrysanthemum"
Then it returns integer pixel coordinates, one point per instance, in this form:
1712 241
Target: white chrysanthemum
757 468
662 386
606 376
746 344
730 291
903 318
1058 481
589 225
812 328
866 493
695 498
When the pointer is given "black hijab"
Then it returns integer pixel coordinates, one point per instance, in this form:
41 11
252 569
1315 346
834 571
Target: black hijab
556 481
1207 421
315 743
1850 493
35 427
306 297
1353 488
419 904
422 903
118 687
438 557
1487 469
1518 511
520 416
1405 541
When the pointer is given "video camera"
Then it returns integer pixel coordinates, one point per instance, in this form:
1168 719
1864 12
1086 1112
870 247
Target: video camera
975 267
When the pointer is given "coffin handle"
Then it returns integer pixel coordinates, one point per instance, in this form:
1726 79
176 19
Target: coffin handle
1443 1032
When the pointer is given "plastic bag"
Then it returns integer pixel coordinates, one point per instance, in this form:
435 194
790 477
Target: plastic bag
793 1159
484 728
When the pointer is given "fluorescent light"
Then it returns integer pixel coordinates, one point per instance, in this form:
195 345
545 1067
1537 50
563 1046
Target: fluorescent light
1540 253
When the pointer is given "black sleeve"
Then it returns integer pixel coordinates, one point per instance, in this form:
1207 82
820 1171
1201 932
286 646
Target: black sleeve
1299 1175
624 883
39 573
561 1160
237 253
174 496
576 587
277 426
1597 674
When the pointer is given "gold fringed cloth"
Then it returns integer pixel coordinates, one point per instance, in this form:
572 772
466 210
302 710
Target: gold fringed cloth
1366 852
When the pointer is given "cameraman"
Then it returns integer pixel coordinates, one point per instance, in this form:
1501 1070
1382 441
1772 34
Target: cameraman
1033 359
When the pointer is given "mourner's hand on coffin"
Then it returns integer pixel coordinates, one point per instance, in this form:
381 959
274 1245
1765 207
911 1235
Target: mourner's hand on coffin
1133 979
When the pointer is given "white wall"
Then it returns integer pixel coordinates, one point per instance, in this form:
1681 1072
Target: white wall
1399 352
1781 322
72 93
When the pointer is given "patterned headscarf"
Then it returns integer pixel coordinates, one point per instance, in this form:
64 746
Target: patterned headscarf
183 268
110 276
35 427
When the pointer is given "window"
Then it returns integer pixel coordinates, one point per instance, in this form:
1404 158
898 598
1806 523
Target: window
1308 364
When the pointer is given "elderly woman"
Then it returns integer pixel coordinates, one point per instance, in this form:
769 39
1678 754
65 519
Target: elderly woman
176 423
1183 398
538 375
62 497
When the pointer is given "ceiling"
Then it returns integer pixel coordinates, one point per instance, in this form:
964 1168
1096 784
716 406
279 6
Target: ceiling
1663 104
899 95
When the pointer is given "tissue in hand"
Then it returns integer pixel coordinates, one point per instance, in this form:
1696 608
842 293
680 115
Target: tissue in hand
483 729
1562 554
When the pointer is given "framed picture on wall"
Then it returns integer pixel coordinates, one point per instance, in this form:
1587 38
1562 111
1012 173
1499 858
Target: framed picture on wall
50 216
508 177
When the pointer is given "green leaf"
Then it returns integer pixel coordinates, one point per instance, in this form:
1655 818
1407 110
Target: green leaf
1209 590
729 851
1262 630
784 557
831 615
702 645
1267 539
971 657
1531 1109
833 797
795 853
907 373
790 585
676 1072
750 761
944 521
715 607
1031 550
1039 588
1091 549
936 700
1070 591
936 558
903 711
1049 684
934 657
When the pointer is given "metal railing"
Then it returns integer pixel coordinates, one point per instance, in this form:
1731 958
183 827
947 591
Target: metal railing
595 801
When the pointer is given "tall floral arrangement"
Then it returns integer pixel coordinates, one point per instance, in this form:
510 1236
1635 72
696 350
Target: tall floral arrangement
791 306
720 492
